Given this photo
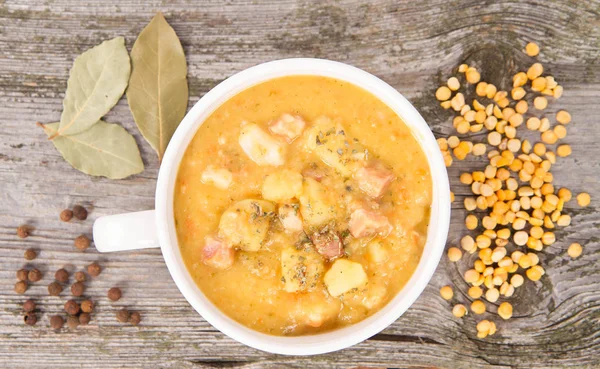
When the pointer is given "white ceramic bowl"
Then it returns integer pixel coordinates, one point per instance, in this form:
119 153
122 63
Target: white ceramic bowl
154 228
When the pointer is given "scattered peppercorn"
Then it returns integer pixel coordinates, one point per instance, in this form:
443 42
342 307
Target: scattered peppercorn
22 274
56 322
80 277
34 275
30 254
79 212
22 231
66 215
77 289
30 318
54 289
61 275
123 315
21 287
135 318
114 294
82 242
72 322
29 306
87 306
94 269
84 318
72 307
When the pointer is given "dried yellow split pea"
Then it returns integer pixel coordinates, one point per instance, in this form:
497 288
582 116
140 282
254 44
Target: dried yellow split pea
446 292
535 71
443 93
505 310
540 103
563 150
563 117
583 199
478 307
472 75
475 292
453 83
532 49
459 310
575 250
454 254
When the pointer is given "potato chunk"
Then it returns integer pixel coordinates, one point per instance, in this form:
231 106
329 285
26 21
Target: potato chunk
288 126
334 147
316 205
245 223
282 186
290 218
315 309
260 146
377 252
301 270
219 177
375 296
343 276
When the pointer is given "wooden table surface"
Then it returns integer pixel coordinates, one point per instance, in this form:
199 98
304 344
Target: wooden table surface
413 45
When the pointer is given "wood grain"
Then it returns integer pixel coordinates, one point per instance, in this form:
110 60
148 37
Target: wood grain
413 45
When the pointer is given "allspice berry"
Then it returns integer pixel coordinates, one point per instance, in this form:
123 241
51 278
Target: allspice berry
135 318
94 269
30 318
114 294
87 306
80 277
34 275
22 274
56 322
77 289
61 275
21 287
22 231
72 322
54 289
66 215
84 318
123 315
29 306
82 242
79 212
72 307
30 254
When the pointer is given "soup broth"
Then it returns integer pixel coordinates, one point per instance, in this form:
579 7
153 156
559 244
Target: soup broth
301 205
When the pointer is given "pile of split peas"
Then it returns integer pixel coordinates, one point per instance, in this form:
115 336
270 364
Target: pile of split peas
519 206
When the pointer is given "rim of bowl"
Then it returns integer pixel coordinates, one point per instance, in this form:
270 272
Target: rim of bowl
341 338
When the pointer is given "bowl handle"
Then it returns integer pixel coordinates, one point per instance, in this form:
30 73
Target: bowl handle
130 231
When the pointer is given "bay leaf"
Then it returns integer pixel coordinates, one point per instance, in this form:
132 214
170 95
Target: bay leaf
158 90
97 81
103 150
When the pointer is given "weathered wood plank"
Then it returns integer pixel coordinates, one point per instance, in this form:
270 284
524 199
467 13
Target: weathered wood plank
411 45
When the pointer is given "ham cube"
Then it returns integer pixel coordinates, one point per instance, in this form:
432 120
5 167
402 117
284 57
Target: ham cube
374 180
288 126
365 223
328 243
314 172
217 253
